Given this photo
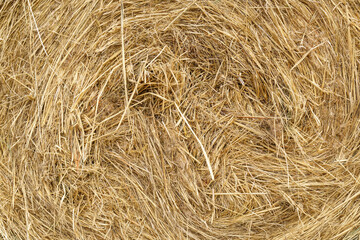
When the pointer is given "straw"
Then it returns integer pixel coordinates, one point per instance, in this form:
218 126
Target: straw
179 119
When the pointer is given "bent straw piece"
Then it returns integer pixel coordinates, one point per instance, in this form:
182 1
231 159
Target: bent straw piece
198 140
305 55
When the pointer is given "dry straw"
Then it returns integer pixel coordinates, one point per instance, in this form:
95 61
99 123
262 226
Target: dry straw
205 119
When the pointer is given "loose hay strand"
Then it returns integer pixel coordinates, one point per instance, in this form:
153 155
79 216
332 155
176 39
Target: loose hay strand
36 27
123 51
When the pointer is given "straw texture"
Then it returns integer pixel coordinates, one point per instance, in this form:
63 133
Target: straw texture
205 119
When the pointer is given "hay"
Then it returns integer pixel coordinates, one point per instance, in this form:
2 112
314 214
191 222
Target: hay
179 119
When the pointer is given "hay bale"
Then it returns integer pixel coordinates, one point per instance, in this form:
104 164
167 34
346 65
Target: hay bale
179 119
